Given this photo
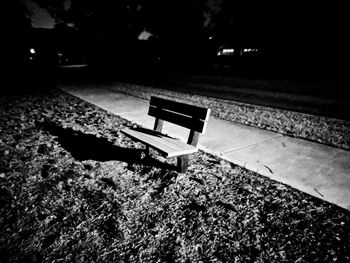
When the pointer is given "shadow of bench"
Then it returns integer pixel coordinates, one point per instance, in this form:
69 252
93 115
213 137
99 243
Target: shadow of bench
84 146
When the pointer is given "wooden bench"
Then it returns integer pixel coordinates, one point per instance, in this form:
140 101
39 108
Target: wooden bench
192 117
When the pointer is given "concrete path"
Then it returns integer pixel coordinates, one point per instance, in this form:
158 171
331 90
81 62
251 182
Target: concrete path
319 170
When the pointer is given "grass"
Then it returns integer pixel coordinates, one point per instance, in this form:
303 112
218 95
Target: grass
63 200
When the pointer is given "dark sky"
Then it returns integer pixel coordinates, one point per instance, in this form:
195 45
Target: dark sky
40 17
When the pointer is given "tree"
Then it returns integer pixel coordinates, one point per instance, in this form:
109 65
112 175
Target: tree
179 25
15 30
111 28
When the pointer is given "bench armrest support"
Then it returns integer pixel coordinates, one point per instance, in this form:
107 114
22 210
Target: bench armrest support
158 125
193 138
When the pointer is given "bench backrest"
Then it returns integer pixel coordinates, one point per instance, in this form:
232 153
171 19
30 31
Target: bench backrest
192 117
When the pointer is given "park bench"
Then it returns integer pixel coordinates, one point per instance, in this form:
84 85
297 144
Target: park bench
192 117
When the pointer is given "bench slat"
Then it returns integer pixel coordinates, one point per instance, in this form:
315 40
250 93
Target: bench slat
186 109
169 147
185 121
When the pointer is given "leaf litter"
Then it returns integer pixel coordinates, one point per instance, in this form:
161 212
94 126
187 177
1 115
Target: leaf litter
64 199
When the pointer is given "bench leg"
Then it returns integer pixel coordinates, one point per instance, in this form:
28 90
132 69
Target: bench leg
182 163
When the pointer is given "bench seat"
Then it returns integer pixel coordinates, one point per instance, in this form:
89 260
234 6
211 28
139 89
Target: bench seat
167 146
188 116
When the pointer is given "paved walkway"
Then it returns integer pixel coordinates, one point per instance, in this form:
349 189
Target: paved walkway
319 170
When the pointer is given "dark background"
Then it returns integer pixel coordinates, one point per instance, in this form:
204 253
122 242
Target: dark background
295 40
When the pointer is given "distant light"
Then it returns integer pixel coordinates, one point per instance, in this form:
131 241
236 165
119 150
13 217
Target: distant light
32 51
210 38
228 50
250 50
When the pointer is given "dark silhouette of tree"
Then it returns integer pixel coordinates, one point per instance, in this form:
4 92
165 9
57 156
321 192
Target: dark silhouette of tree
110 28
15 30
246 24
179 25
296 36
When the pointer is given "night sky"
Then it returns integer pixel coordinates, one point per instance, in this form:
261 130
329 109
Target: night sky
40 17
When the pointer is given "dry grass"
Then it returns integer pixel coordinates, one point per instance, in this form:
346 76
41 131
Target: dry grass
73 190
